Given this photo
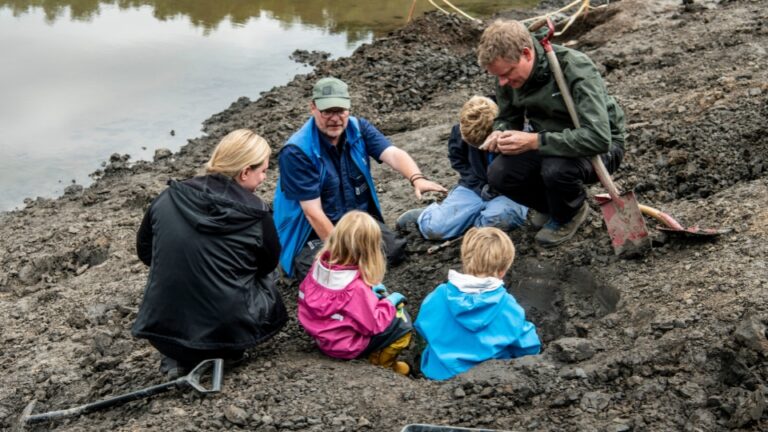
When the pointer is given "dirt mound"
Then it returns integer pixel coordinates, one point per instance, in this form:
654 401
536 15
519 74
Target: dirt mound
675 340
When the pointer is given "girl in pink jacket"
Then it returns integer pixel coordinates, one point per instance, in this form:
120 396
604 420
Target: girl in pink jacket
338 306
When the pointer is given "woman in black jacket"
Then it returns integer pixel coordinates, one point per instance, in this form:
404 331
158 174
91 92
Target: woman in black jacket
212 247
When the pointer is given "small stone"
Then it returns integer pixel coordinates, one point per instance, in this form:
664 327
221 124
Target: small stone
575 373
748 409
154 408
72 190
235 415
486 392
28 275
571 350
256 420
363 422
101 342
595 402
459 393
751 333
677 157
162 153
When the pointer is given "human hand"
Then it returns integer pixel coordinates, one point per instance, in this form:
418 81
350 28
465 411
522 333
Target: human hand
396 299
490 142
422 185
516 142
380 290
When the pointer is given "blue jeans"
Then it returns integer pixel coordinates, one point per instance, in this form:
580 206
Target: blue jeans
463 208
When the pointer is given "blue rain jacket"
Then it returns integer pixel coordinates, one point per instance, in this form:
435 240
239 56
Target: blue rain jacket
293 228
464 329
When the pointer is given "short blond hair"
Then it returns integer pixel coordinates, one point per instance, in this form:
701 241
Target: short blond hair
236 151
476 119
486 252
356 240
503 39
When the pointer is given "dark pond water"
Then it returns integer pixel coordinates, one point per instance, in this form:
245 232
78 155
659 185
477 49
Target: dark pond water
80 80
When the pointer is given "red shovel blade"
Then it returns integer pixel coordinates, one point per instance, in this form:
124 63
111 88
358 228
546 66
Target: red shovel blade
626 226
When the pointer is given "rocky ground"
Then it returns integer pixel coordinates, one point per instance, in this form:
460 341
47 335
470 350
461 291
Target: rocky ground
675 340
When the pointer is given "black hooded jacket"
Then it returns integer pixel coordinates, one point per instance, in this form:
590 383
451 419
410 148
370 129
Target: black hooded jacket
212 247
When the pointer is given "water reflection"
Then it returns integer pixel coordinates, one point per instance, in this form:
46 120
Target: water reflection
82 79
356 18
74 91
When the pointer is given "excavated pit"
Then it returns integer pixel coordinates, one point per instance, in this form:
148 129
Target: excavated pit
560 300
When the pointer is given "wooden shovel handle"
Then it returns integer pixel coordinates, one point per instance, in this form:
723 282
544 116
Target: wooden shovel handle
662 217
597 163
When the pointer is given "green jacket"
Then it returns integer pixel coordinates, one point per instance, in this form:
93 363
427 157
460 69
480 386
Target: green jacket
601 118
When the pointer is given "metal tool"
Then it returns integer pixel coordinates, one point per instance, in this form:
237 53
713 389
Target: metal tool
443 245
190 380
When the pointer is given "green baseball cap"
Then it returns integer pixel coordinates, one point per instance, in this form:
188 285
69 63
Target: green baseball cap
330 93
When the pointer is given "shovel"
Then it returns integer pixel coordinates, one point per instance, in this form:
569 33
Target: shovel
190 380
621 212
670 224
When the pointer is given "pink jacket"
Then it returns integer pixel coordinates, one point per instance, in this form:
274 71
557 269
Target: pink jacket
339 310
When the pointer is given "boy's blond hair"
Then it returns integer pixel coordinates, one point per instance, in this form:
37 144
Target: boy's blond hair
476 119
486 252
238 150
504 39
356 240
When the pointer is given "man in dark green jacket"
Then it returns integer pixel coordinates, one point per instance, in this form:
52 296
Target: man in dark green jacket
546 169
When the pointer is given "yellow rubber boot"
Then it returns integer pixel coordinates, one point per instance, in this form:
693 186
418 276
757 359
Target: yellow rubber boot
387 357
401 367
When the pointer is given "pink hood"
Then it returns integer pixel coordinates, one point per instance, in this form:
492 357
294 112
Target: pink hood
339 310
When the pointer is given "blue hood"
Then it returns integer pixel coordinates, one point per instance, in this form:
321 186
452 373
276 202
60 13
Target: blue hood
468 320
474 301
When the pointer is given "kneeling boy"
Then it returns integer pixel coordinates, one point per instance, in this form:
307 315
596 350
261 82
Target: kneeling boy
472 202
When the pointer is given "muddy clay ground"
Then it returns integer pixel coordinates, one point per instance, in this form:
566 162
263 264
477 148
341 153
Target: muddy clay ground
675 340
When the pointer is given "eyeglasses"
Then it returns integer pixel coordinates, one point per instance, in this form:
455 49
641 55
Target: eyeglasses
326 114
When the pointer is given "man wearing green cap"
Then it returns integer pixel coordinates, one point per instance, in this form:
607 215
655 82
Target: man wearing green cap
325 172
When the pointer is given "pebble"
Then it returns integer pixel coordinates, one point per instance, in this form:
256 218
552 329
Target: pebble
751 333
595 401
571 350
236 415
162 153
178 412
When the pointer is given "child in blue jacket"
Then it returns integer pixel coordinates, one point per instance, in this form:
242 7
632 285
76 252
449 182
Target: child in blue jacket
472 318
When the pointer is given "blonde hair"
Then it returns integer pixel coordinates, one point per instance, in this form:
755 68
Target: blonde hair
476 119
486 252
356 240
239 149
503 39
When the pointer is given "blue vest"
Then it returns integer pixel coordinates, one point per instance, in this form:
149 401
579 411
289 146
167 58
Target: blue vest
292 226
